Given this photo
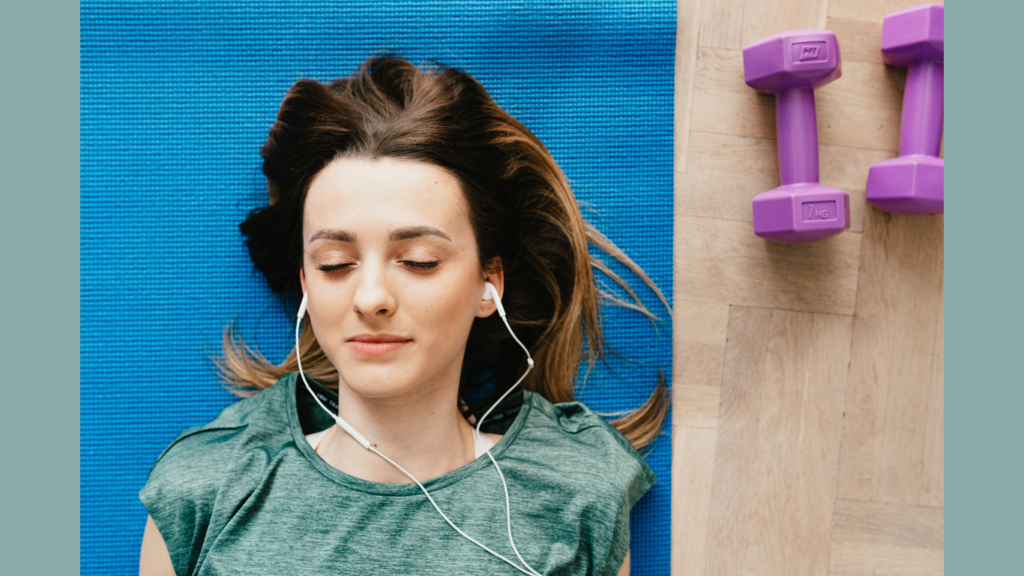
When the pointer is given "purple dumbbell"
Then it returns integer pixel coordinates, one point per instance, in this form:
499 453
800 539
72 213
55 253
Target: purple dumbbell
912 183
791 65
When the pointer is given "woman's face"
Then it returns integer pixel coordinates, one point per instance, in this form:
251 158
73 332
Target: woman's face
390 255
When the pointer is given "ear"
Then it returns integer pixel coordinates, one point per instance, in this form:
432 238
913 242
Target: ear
496 276
302 279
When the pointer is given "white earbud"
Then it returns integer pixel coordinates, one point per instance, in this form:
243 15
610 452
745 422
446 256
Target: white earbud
490 292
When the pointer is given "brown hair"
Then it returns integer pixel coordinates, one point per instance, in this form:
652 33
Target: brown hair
522 211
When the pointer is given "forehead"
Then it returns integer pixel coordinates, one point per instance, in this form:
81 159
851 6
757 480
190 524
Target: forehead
359 194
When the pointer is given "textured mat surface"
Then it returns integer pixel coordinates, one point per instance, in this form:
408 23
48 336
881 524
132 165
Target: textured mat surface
176 98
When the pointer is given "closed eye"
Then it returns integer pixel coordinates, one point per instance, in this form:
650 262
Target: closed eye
410 263
423 265
332 267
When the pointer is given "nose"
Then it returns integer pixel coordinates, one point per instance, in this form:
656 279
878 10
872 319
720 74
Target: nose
373 298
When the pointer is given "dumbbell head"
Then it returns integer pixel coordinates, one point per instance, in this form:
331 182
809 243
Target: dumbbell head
793 59
907 185
913 35
796 213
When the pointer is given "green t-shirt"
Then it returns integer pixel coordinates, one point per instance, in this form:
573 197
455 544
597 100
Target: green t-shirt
246 494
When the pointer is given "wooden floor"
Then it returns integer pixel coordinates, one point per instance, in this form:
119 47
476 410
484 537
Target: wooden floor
808 431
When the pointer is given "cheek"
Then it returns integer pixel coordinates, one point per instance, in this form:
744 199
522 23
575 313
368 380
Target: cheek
327 306
441 313
438 306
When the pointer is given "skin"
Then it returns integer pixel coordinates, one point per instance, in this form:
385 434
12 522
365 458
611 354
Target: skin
362 279
404 401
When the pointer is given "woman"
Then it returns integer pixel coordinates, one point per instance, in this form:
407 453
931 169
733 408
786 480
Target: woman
405 208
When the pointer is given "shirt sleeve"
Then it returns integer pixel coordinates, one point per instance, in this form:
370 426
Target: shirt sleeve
626 477
180 492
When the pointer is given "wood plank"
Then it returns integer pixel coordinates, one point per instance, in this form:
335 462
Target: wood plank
891 524
860 559
687 33
723 261
799 435
696 406
693 448
699 345
847 168
714 187
779 432
731 510
906 414
859 40
699 365
722 101
865 86
869 10
898 302
700 322
721 24
869 127
859 110
766 17
693 453
932 489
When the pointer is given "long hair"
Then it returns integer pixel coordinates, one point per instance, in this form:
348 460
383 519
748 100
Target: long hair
521 208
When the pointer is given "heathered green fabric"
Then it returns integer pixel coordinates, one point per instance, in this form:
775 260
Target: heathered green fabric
246 494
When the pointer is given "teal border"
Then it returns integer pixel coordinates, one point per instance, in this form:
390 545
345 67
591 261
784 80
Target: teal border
984 278
39 151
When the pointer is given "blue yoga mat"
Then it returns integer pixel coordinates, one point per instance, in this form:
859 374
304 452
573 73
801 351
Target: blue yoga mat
176 98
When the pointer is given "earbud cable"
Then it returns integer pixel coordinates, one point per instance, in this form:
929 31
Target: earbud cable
508 506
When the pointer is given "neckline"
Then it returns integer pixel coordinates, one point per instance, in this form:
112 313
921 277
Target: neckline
481 442
380 488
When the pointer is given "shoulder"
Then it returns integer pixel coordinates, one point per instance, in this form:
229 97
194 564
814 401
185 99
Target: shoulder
210 464
591 449
594 474
199 452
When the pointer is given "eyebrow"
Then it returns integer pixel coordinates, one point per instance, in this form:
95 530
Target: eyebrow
393 235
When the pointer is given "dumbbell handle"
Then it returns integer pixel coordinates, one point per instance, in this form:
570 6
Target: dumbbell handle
796 127
921 122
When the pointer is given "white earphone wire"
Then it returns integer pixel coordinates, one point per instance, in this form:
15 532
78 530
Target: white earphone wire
362 440
529 366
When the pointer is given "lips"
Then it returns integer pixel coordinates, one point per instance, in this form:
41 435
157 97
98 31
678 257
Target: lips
376 344
378 338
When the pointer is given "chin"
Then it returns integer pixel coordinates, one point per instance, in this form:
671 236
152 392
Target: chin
378 381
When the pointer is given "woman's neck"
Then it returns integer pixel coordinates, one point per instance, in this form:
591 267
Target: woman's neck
422 431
